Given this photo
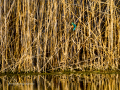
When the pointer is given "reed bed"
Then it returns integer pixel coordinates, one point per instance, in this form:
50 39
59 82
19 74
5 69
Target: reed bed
36 35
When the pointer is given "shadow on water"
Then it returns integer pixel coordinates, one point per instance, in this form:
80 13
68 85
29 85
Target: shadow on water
79 81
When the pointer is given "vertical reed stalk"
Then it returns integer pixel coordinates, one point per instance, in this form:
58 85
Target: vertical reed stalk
108 29
111 34
2 61
65 51
38 36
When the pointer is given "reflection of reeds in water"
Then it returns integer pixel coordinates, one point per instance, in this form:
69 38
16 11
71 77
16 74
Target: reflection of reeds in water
61 82
35 35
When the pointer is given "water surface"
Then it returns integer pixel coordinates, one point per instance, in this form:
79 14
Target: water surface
79 81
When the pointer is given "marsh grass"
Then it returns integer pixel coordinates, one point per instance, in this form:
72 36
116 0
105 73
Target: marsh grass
36 35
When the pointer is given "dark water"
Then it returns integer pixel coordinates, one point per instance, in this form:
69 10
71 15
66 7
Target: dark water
78 81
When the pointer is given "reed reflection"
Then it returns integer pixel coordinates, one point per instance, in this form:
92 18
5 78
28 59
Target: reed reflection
61 82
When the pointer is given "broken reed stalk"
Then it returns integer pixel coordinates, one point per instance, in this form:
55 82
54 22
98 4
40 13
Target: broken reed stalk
37 36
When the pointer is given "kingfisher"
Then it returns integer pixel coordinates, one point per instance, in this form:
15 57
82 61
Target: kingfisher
73 25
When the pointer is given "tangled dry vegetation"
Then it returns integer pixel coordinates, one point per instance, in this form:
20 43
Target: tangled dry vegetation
36 35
